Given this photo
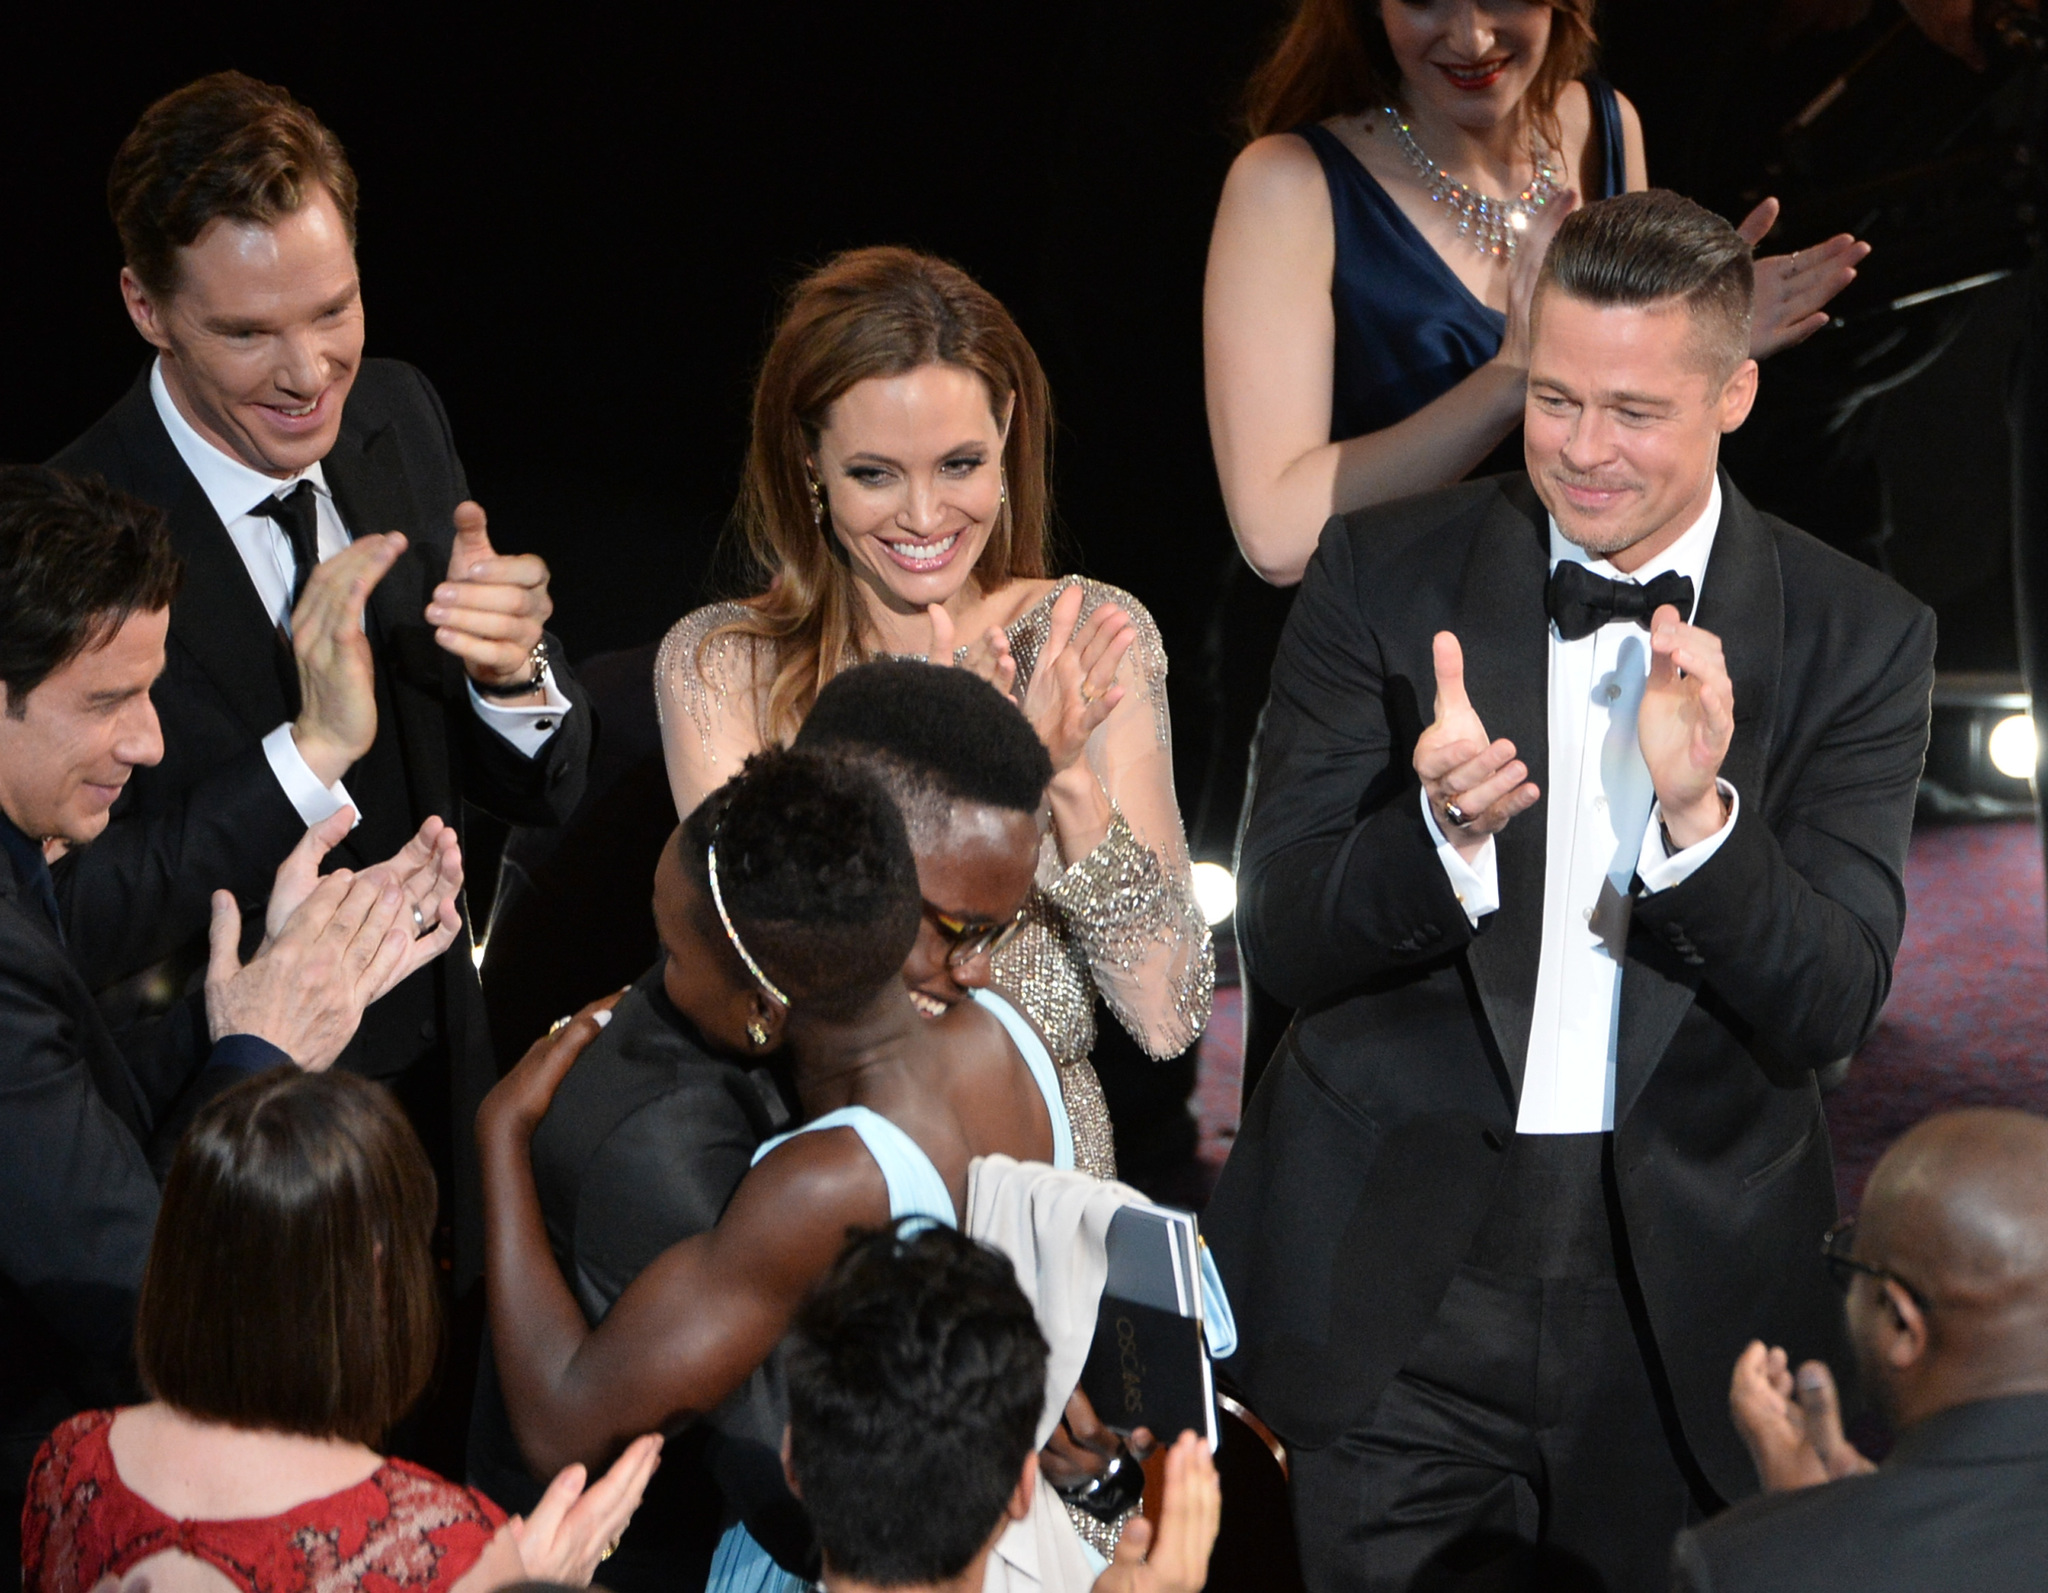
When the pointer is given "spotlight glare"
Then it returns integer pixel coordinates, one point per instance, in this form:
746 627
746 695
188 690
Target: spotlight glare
2012 747
476 953
1215 891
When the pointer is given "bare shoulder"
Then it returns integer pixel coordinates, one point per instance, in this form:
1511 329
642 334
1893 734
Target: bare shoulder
827 1175
1276 178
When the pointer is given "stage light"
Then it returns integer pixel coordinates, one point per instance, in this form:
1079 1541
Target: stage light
2012 747
1215 891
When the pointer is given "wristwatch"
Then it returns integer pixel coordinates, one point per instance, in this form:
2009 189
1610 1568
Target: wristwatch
521 688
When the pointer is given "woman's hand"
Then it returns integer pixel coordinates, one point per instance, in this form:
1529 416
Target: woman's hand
989 657
1522 275
1074 686
574 1527
1791 289
520 1099
1081 1447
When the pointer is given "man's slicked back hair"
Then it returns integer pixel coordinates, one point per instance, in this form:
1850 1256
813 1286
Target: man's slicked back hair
916 1378
225 146
935 736
816 870
76 559
1652 247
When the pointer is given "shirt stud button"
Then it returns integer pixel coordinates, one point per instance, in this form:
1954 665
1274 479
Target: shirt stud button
1613 693
1587 914
543 724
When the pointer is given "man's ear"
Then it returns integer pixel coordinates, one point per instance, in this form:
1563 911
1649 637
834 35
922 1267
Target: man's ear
789 1469
1027 1488
144 310
1908 1325
1738 396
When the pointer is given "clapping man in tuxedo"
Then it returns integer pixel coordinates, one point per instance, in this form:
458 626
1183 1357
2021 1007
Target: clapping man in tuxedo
1577 838
272 445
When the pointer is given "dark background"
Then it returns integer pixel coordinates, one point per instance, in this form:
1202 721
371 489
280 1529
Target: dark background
581 230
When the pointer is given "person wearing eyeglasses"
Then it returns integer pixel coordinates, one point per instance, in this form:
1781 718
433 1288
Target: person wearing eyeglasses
652 1131
1945 1280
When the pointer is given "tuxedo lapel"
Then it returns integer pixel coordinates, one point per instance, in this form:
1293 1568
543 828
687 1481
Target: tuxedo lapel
1742 601
1504 632
217 618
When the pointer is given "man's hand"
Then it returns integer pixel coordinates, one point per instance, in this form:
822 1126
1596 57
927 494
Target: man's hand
1174 1558
1685 724
305 992
1460 768
337 680
1792 289
427 871
490 610
1793 1428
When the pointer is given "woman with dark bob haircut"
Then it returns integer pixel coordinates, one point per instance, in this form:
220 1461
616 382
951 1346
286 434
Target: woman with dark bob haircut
288 1318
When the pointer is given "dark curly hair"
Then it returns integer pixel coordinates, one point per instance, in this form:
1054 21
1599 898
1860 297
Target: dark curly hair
817 873
916 1379
76 559
935 736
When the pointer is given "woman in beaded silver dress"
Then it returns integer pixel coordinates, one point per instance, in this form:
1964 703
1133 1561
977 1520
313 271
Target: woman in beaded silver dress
895 501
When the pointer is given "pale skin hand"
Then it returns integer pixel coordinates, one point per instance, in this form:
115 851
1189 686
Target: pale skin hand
1456 762
1072 691
1792 1426
490 610
427 869
337 678
1174 1557
306 991
1685 724
1792 289
989 656
571 1528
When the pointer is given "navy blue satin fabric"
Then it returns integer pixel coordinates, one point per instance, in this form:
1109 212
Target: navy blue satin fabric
1408 330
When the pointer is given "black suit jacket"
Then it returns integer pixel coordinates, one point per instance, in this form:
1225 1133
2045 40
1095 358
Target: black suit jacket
1371 1149
1961 1503
393 467
83 1121
642 1148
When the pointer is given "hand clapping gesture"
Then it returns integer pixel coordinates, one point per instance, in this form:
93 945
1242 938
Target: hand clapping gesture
1792 289
1685 724
1475 785
1793 1427
490 610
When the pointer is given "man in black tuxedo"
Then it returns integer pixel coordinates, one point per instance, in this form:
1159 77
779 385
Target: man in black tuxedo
272 445
1544 1148
86 580
1946 1274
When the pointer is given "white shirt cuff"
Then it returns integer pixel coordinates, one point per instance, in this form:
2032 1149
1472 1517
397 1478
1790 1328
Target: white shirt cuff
1476 883
302 787
527 728
1659 869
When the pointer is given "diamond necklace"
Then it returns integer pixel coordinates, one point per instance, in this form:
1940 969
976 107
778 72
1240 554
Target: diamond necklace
1492 226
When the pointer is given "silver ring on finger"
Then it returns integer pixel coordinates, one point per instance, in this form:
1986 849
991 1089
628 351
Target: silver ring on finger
1457 815
419 922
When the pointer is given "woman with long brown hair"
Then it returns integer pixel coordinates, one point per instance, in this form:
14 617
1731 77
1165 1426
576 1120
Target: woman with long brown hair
896 499
1366 313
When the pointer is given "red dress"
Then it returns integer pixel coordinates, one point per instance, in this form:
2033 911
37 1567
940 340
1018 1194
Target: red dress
402 1527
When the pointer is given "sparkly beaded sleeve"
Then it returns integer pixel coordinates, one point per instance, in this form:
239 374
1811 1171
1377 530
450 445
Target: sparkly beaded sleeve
1129 905
705 697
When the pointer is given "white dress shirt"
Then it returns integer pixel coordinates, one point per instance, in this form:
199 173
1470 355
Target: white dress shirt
234 489
1604 829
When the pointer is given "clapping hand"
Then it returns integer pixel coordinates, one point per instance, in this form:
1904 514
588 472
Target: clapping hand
1523 272
337 681
1792 289
989 656
1174 1556
574 1527
1793 1427
490 610
1074 687
1475 785
1685 724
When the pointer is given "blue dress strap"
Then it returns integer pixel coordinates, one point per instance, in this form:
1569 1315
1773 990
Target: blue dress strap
915 1187
1613 152
1043 1073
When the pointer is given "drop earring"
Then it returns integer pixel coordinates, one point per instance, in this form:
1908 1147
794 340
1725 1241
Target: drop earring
757 1031
817 500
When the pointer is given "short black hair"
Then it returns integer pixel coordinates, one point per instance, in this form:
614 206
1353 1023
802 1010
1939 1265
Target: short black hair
817 872
76 559
935 735
1653 245
916 1379
290 1283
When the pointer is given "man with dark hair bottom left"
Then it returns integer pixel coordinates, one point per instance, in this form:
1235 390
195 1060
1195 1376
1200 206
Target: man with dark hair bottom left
86 580
916 1376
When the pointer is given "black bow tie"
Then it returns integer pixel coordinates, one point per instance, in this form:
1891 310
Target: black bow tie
1580 602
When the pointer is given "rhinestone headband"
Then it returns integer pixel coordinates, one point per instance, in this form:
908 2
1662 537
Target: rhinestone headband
733 935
